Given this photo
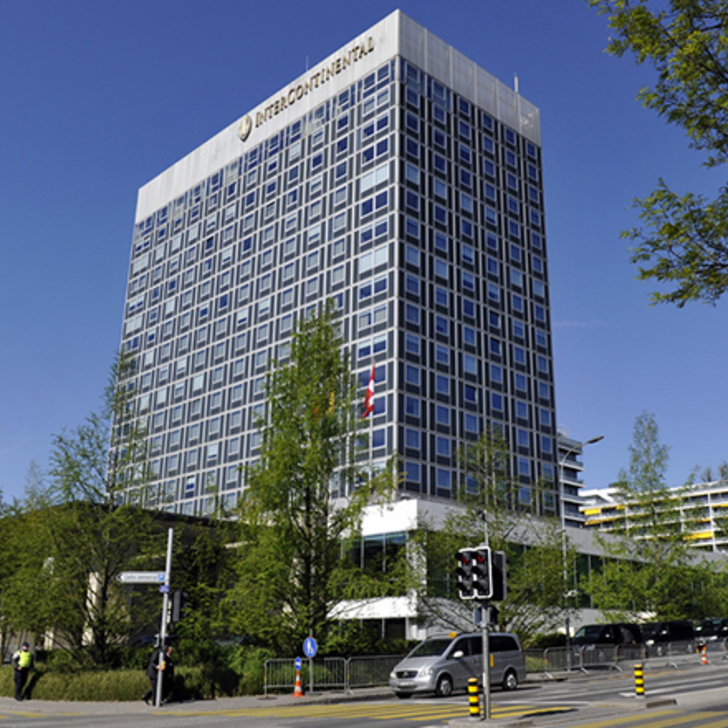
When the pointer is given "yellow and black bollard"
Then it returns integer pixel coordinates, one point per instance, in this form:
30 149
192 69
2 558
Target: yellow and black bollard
473 698
639 681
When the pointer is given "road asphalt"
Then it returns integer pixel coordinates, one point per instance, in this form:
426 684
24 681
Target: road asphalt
623 705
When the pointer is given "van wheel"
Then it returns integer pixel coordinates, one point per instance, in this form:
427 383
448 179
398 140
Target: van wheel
403 696
444 687
510 680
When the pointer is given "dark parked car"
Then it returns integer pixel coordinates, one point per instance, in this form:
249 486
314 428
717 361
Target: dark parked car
711 630
620 633
678 633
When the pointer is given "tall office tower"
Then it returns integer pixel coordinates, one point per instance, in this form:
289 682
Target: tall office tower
402 181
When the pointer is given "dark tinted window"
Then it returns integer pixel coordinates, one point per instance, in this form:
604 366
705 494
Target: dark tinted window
476 645
502 643
462 644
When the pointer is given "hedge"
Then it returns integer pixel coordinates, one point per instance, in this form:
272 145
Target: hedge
45 683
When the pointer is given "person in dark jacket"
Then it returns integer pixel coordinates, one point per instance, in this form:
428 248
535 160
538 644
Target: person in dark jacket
155 671
22 662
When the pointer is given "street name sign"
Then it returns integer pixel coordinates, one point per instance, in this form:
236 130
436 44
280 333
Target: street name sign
142 577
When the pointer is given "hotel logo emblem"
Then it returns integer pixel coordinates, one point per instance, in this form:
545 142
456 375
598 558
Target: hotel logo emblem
246 126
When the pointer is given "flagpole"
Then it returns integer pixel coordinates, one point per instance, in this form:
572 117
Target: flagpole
369 412
371 443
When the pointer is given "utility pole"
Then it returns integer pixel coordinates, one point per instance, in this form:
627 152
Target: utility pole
163 629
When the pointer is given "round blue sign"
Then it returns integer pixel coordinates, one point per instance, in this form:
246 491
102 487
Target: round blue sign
310 648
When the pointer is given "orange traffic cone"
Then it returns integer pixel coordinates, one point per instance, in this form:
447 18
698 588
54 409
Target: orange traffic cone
704 656
298 688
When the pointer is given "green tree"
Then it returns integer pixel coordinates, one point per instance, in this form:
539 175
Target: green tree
75 534
683 242
648 559
497 507
293 567
202 567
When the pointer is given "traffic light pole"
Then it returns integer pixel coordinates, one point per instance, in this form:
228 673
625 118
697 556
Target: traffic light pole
486 660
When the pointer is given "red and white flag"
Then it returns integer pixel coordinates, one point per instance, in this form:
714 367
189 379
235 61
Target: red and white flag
369 396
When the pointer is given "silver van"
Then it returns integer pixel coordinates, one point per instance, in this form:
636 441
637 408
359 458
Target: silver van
442 664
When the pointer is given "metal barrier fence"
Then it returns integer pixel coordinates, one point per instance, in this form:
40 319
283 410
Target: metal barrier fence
330 673
356 673
589 657
370 672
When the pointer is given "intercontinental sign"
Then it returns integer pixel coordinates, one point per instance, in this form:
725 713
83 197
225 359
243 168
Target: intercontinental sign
313 82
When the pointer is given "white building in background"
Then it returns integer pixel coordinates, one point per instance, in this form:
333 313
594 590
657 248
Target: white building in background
703 507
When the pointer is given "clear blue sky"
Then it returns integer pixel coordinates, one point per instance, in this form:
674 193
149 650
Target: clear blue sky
96 98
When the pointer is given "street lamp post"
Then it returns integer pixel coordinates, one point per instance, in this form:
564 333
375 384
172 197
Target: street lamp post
562 509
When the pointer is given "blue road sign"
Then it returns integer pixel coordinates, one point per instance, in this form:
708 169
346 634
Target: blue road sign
164 589
298 663
310 648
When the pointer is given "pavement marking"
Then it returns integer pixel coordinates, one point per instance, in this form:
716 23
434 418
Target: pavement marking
717 724
647 718
626 719
413 712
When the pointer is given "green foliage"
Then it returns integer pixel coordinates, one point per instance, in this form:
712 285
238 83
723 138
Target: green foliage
203 568
497 504
292 570
248 663
49 684
354 637
684 241
72 535
649 565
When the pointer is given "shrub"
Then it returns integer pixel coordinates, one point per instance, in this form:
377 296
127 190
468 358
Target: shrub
47 683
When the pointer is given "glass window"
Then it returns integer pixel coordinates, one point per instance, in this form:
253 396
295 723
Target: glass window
412 374
470 364
412 472
412 255
411 438
412 343
412 406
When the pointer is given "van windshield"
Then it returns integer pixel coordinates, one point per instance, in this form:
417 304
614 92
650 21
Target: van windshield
431 648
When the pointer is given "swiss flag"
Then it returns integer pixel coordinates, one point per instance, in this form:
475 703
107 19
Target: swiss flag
369 396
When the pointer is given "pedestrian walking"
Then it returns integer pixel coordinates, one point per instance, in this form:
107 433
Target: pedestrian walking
155 671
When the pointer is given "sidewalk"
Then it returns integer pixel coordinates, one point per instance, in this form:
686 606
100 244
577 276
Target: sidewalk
238 703
223 703
43 707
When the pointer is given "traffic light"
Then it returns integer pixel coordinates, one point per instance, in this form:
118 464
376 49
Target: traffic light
179 606
482 573
474 573
464 573
500 586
